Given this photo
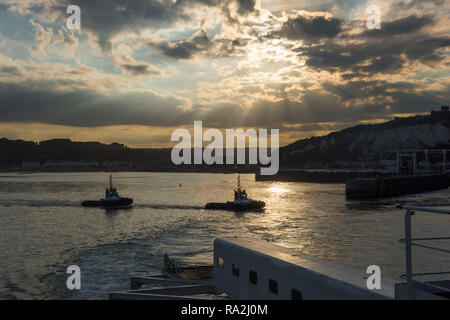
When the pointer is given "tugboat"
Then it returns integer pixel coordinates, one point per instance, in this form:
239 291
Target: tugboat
112 199
241 202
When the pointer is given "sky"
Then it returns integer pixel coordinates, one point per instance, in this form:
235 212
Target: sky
139 69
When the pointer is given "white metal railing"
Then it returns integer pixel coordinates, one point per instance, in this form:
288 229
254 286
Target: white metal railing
431 207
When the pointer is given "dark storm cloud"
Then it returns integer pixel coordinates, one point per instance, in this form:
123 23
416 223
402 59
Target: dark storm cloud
401 97
36 102
367 100
226 47
319 106
340 8
139 69
107 18
41 102
10 71
376 56
317 126
405 25
417 4
309 28
343 7
200 43
426 50
316 106
185 49
246 6
357 90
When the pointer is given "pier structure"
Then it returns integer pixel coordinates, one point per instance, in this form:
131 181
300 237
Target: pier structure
387 187
411 176
316 176
411 156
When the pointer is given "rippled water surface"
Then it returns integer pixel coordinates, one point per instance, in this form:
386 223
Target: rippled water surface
43 228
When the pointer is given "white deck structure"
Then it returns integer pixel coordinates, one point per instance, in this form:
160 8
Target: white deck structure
255 269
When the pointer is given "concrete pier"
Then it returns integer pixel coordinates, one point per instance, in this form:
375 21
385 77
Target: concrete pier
383 187
315 176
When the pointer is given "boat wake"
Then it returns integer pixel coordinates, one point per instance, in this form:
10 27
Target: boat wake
38 203
168 206
75 204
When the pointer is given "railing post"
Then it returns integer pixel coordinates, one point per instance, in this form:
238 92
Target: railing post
408 254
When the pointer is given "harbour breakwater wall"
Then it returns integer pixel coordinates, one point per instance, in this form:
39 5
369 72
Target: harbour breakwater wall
383 187
322 176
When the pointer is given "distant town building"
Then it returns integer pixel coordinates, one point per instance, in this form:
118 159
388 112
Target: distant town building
30 164
71 164
112 164
445 111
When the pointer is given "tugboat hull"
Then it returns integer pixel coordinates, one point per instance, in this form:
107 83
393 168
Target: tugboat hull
121 203
231 206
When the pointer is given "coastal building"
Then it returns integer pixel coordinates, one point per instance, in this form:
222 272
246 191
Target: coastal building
443 113
71 164
30 164
112 164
